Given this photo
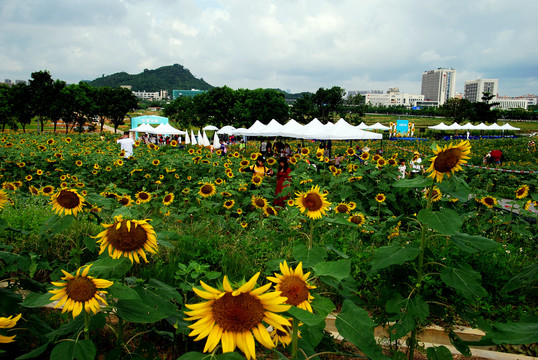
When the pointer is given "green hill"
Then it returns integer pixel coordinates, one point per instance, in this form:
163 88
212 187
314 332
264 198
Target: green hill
172 77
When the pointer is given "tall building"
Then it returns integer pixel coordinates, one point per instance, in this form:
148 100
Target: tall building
438 85
474 89
393 97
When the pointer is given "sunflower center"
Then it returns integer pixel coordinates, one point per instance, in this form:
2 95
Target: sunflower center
143 196
447 159
357 220
168 198
260 203
342 208
312 202
238 313
124 239
295 289
80 289
206 189
489 201
124 201
68 199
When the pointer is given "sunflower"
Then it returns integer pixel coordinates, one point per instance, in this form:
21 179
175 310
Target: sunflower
305 151
270 211
155 162
392 162
50 142
232 316
191 151
8 186
365 156
219 181
489 201
230 174
522 192
185 191
355 178
448 159
128 238
257 180
258 201
39 172
357 219
125 200
271 161
67 201
342 208
381 162
294 286
313 202
109 195
168 199
254 156
434 194
228 204
143 196
350 151
244 163
293 161
8 323
380 198
47 190
173 143
33 190
207 190
239 211
80 292
529 203
4 199
290 202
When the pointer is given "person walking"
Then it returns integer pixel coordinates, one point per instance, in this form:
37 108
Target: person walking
282 176
126 145
416 164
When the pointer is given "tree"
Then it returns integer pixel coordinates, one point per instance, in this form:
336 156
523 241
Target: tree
181 111
267 104
58 103
20 104
457 109
328 100
122 102
303 108
5 107
42 93
483 110
103 96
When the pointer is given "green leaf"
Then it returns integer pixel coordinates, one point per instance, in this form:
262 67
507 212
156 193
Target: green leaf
123 211
155 299
356 326
35 300
528 276
455 187
337 269
3 224
108 268
413 183
464 280
313 334
393 254
459 344
473 243
34 353
445 221
309 257
138 312
306 317
56 223
121 291
322 305
166 291
90 243
79 349
193 355
514 333
438 353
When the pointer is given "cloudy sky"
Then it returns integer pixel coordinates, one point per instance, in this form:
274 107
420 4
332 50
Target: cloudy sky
295 45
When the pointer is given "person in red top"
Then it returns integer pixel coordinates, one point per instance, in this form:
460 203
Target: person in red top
282 175
496 156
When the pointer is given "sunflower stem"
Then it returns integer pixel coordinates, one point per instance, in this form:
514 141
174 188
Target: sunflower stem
310 241
294 338
420 272
86 325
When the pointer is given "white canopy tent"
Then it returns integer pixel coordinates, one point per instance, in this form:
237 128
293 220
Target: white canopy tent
240 131
255 130
454 126
272 129
509 127
291 129
317 130
226 130
342 130
165 129
145 128
187 138
216 140
210 128
193 139
362 126
440 126
378 126
205 138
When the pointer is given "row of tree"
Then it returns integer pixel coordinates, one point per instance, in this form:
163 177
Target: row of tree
53 100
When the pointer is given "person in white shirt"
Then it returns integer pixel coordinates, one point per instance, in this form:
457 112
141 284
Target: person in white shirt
126 144
402 168
416 164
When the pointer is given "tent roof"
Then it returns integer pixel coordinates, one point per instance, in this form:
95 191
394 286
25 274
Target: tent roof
378 126
291 129
509 127
228 130
166 129
272 129
440 126
147 128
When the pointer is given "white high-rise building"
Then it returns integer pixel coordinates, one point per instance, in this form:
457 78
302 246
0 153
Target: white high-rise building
438 85
474 89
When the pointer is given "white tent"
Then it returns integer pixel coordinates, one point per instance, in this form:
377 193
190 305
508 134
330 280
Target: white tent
342 130
454 126
210 128
272 129
495 127
378 126
193 139
509 127
468 126
226 130
481 126
199 138
317 130
291 129
187 139
205 139
255 130
216 141
362 126
440 126
166 129
145 128
240 131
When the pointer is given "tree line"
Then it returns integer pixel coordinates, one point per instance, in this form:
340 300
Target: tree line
53 100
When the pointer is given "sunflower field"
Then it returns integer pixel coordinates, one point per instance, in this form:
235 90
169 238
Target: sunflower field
180 252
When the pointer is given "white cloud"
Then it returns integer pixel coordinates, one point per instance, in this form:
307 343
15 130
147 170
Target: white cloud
299 45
